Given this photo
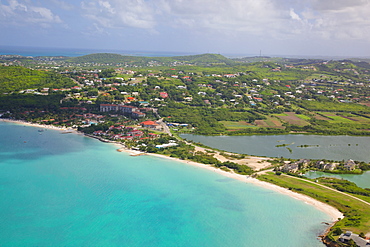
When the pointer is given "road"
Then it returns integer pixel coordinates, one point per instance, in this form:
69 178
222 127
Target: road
164 127
356 198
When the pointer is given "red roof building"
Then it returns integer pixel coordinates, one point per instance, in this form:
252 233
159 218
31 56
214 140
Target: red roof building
163 95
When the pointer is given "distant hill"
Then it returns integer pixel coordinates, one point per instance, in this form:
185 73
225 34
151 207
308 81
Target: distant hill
205 59
111 58
106 58
16 78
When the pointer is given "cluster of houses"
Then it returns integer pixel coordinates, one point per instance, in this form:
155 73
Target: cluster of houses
294 167
124 133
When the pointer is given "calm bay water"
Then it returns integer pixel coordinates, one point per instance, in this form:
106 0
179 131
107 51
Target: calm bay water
318 147
68 190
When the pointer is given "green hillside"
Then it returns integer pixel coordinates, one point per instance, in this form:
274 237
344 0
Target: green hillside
205 59
16 78
106 58
110 58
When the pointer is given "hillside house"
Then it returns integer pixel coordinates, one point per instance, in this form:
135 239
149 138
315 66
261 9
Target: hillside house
137 114
292 167
163 95
151 125
108 107
349 165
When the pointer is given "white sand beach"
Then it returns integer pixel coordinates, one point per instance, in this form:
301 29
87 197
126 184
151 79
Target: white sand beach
44 126
333 212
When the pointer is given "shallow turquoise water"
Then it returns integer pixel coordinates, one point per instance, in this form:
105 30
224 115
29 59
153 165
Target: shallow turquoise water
69 190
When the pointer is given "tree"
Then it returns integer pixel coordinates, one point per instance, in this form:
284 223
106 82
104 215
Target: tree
105 73
337 231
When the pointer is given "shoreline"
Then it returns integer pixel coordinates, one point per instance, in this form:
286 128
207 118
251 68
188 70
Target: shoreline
44 126
327 209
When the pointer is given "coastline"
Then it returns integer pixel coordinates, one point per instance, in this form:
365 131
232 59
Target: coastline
329 210
44 126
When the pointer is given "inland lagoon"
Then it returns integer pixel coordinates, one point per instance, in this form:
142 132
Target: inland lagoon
70 190
291 146
362 180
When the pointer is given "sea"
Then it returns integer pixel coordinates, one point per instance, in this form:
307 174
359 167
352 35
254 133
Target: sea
65 189
75 52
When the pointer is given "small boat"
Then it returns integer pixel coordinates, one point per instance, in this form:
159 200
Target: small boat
40 130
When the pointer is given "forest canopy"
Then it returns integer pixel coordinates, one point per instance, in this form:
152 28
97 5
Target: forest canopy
16 78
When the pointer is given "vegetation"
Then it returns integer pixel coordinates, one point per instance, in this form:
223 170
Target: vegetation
16 78
345 186
110 58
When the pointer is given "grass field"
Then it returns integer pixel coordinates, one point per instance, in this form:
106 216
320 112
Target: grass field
345 118
357 213
295 119
270 122
304 117
319 117
334 118
232 125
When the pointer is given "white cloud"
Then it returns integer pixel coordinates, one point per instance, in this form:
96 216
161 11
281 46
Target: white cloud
294 15
23 13
120 13
277 19
233 15
271 18
61 4
339 19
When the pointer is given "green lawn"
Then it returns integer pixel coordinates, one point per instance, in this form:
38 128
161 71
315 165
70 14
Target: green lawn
304 117
335 118
236 125
292 118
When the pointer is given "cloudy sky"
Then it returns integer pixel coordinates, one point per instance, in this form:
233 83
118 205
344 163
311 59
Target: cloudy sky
276 27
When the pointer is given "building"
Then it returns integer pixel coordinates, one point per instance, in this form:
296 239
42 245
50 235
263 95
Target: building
108 107
349 165
163 95
346 237
151 125
290 168
137 114
125 109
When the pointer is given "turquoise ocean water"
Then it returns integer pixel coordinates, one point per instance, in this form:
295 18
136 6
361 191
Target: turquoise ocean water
69 190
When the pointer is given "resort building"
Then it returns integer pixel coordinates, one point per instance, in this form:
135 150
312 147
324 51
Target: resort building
125 109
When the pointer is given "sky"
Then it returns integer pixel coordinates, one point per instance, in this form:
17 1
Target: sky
267 27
